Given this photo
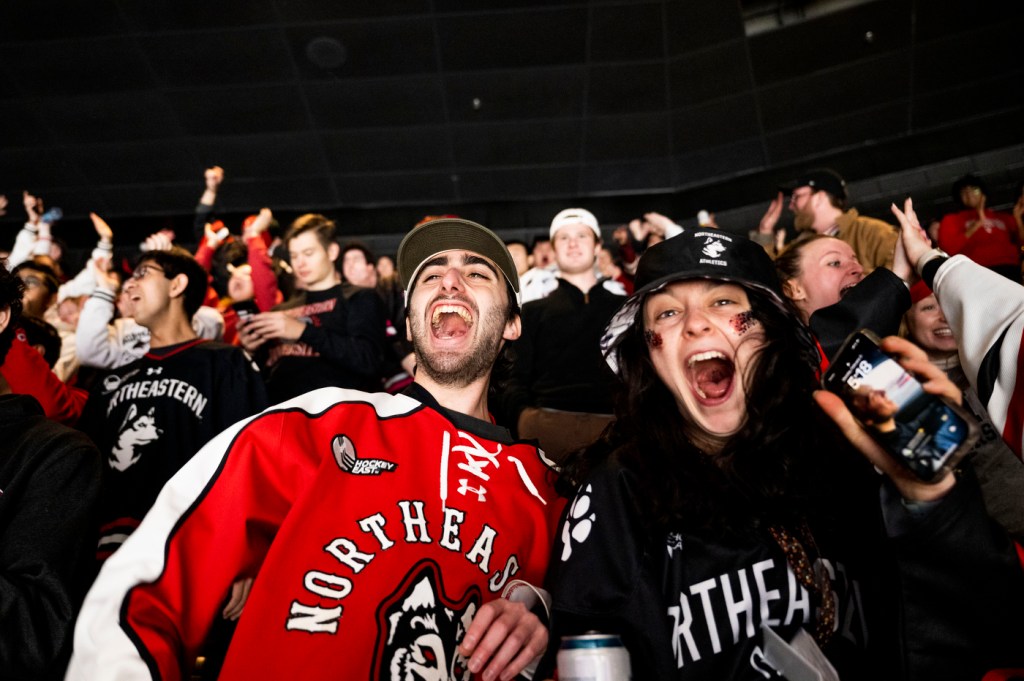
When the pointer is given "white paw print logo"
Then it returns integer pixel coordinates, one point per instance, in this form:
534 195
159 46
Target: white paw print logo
577 524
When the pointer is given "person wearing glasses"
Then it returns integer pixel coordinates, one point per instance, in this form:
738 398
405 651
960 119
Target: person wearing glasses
150 416
819 201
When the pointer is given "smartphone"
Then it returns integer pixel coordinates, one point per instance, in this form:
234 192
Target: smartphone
926 433
245 309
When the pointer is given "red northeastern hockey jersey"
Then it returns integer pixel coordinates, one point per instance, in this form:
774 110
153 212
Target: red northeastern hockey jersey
375 525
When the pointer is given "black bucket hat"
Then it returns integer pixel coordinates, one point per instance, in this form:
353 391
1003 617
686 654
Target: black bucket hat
708 254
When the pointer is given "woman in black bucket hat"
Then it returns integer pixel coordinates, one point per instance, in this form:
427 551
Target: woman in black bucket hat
723 523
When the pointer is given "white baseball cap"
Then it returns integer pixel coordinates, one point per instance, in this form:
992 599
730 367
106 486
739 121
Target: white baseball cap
572 216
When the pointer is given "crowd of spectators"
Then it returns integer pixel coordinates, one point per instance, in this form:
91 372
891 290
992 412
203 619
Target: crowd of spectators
114 376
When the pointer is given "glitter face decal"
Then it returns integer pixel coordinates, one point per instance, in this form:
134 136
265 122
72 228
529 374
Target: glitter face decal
743 322
653 339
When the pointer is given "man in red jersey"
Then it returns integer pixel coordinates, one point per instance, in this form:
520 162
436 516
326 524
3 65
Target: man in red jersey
382 530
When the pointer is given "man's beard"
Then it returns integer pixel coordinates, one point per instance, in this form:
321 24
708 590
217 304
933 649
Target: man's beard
455 369
803 220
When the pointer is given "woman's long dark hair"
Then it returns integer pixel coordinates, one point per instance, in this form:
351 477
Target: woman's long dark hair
764 474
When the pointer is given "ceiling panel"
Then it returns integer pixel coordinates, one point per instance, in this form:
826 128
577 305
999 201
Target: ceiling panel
862 32
240 110
718 71
692 26
627 32
715 123
369 49
60 19
341 104
384 111
526 143
507 95
628 136
197 58
121 164
254 156
419 148
109 118
157 16
824 95
512 40
79 66
626 88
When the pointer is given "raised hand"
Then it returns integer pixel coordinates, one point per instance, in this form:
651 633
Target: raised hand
915 240
160 241
772 215
213 176
260 224
102 228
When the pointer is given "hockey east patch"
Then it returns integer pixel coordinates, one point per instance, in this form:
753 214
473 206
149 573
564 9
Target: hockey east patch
345 456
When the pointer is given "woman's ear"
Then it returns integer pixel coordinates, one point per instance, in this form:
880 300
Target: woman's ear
5 318
793 290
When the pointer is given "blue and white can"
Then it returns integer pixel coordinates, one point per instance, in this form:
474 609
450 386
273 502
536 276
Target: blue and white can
593 657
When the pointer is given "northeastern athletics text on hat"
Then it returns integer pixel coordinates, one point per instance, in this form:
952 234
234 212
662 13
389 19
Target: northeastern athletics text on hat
453 234
573 216
820 179
711 254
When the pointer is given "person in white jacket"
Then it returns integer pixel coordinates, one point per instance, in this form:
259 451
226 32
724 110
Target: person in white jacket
986 313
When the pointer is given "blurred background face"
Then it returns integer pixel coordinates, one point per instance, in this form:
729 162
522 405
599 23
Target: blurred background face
927 326
312 263
69 310
357 270
971 197
385 267
606 263
543 254
520 257
37 296
240 286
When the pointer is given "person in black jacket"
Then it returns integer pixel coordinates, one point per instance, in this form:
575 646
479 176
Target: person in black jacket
329 334
49 485
722 521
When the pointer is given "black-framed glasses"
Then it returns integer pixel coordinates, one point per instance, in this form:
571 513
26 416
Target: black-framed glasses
142 270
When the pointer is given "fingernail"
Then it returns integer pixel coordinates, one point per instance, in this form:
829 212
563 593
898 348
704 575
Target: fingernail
475 664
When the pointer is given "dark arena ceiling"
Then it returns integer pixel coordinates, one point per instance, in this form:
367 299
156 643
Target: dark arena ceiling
378 113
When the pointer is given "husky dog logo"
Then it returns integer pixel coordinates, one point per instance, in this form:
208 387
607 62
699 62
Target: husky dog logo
135 432
713 248
419 629
345 456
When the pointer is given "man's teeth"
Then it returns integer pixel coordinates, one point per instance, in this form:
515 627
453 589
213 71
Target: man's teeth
701 356
450 309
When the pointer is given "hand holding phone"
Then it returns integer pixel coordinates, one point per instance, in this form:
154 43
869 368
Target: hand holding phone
926 433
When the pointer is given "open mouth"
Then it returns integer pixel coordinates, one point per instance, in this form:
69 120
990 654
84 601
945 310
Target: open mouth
711 374
846 289
943 332
450 321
